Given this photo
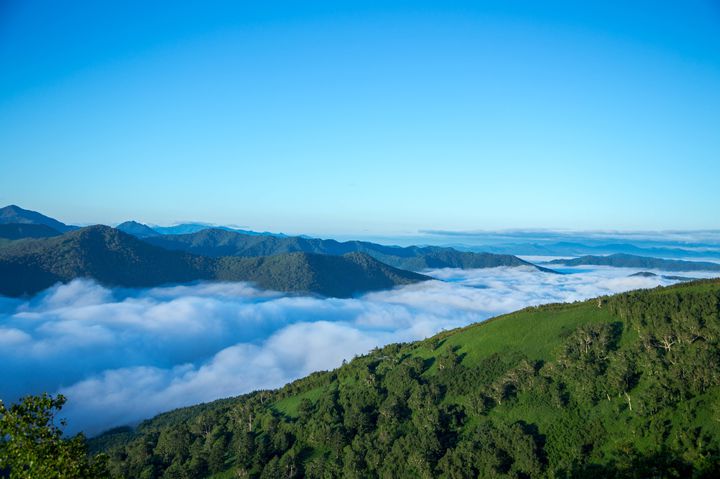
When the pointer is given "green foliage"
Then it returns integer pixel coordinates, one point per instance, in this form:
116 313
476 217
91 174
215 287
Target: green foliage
32 446
622 386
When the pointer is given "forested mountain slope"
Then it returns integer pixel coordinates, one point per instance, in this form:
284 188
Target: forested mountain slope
621 386
114 258
15 231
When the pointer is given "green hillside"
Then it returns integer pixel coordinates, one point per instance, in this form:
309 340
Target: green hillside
114 258
622 386
219 242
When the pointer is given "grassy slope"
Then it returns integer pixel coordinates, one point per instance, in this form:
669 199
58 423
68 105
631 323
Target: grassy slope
600 432
535 332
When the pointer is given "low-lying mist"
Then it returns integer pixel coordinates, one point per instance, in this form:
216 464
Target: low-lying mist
123 355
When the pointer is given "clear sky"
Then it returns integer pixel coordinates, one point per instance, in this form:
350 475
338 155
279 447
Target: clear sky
364 117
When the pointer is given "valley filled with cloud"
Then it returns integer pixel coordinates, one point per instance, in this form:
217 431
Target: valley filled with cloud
122 355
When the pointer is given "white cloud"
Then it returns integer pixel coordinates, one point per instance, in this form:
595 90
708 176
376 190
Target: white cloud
11 337
123 355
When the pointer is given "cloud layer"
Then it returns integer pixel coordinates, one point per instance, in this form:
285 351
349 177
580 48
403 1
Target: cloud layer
123 355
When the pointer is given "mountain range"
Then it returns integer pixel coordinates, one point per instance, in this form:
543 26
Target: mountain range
136 255
114 258
216 242
570 248
186 228
631 261
619 386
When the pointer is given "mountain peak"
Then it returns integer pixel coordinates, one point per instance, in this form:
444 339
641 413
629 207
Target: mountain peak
97 229
17 215
137 229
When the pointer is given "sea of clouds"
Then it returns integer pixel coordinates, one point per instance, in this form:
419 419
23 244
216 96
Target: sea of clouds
122 355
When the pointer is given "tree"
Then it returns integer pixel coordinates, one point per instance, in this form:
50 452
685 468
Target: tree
32 446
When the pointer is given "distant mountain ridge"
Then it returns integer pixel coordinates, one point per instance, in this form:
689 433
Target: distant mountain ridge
644 262
565 248
187 228
217 242
13 214
224 241
137 229
648 274
114 258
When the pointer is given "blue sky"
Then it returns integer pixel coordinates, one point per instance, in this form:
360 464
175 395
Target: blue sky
364 117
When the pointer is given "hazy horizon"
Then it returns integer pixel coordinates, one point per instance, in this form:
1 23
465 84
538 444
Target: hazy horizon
708 235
